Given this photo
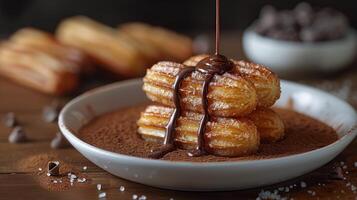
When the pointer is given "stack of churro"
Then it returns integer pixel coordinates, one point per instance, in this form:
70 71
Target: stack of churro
239 104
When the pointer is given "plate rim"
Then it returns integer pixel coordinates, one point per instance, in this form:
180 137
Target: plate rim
152 162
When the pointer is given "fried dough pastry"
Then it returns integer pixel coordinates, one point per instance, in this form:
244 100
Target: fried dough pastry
37 69
170 45
223 137
265 81
228 95
270 125
151 54
116 54
46 42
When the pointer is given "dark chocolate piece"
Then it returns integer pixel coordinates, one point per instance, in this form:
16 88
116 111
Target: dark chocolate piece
10 120
310 35
17 135
268 19
162 151
53 168
59 141
50 112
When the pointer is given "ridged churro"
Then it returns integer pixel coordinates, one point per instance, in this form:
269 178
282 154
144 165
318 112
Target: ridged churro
228 96
267 84
223 136
270 125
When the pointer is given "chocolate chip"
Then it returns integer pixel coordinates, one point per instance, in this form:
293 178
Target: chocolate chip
59 141
17 135
303 7
53 168
304 14
50 113
309 35
268 18
267 10
303 23
288 34
287 18
336 174
10 120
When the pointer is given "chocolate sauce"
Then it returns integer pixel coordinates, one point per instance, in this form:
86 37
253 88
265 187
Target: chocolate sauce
170 127
210 66
218 27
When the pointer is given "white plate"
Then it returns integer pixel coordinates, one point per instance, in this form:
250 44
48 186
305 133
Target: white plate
216 176
289 59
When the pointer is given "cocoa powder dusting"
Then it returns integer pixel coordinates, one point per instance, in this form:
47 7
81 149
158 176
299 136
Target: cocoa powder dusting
116 131
38 164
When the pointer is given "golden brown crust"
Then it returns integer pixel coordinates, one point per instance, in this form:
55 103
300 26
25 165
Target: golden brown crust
46 42
270 125
36 69
223 137
150 54
102 43
170 45
267 83
228 95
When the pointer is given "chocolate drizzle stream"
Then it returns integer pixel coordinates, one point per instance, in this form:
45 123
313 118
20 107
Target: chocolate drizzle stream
170 127
210 66
218 27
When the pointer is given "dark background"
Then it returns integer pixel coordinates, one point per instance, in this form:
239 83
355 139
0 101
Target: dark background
182 15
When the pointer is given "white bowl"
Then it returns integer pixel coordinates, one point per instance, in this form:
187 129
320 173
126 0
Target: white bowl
216 176
289 58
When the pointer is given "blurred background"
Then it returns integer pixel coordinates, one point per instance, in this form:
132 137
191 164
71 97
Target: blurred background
185 16
333 60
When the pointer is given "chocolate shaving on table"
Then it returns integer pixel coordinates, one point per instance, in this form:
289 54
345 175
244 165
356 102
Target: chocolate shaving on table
59 141
9 120
50 112
337 174
17 135
53 168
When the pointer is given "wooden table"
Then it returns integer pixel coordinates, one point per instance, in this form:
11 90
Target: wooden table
28 104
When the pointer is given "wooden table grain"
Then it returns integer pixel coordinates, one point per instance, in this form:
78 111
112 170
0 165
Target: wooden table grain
28 104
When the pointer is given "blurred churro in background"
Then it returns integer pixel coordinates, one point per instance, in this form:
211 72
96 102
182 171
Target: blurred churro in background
127 51
101 42
54 64
35 59
172 46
